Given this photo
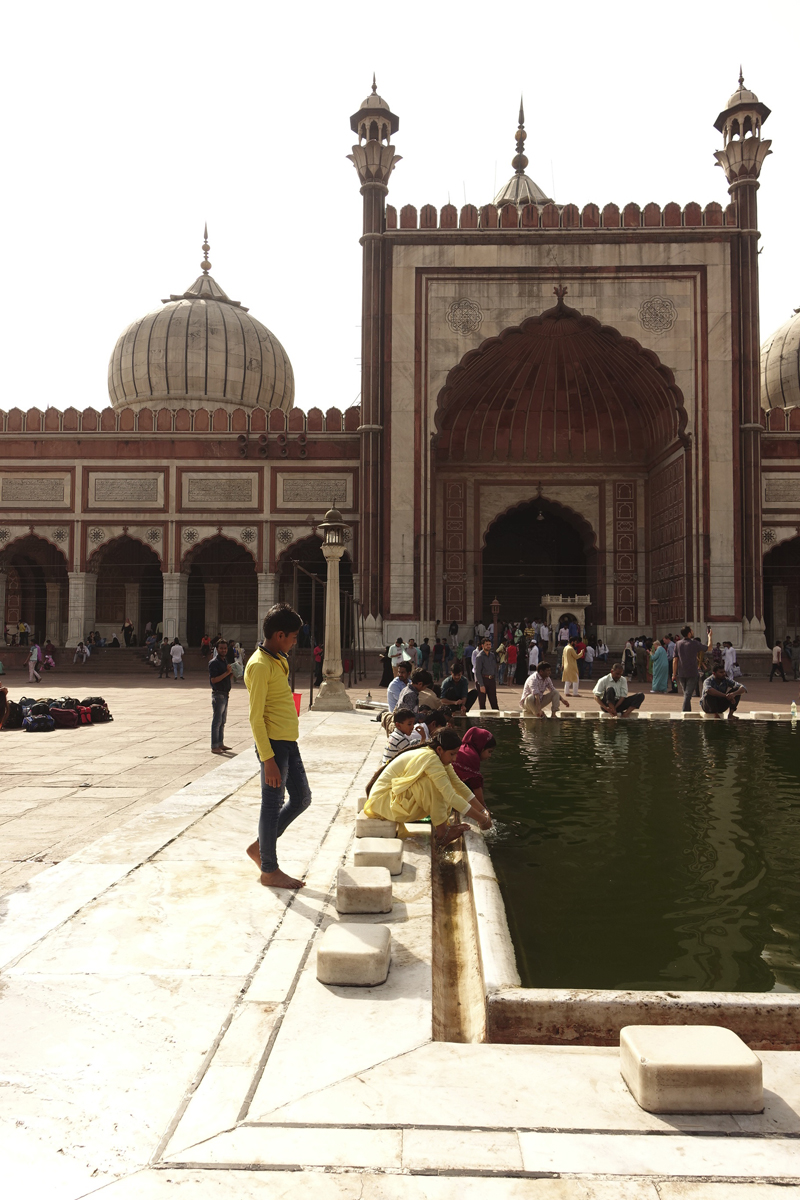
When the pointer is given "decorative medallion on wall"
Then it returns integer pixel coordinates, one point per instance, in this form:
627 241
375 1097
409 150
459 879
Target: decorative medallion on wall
284 536
5 534
153 535
769 536
96 535
658 314
248 536
464 316
60 535
190 535
347 533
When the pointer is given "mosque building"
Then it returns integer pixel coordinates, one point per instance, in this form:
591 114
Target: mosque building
555 401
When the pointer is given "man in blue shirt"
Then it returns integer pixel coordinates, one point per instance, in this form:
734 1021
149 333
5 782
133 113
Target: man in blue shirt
397 685
221 676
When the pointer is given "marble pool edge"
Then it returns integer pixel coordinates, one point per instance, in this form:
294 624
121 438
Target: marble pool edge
593 1017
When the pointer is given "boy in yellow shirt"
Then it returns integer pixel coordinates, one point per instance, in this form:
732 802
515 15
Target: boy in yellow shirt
273 720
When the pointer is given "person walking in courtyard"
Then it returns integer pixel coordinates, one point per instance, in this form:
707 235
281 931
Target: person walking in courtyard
33 661
685 664
398 654
611 694
485 668
533 658
176 654
512 653
422 783
165 659
539 693
276 728
659 664
569 667
221 676
777 663
127 630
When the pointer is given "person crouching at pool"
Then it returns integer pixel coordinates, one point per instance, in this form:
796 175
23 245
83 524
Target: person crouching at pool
721 693
539 692
476 747
422 783
611 693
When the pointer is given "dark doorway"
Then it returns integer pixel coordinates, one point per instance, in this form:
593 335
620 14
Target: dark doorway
308 554
536 549
124 561
222 593
31 564
782 590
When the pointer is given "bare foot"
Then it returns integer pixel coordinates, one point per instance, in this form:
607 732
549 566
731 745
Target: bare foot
453 832
255 853
279 879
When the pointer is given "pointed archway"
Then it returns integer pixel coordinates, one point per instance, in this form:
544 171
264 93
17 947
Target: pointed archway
304 595
129 585
782 590
222 592
535 549
36 588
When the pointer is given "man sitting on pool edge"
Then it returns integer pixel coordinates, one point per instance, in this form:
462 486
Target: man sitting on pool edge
611 693
720 693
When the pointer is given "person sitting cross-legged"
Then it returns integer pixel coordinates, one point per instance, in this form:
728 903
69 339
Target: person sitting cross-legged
539 693
611 693
721 694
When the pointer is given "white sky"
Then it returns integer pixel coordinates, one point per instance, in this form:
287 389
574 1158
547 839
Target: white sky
127 126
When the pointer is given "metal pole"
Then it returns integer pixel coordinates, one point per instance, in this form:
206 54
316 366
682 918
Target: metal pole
294 606
313 641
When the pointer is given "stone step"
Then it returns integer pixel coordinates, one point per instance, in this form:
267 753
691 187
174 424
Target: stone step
375 827
354 955
363 890
690 1069
379 852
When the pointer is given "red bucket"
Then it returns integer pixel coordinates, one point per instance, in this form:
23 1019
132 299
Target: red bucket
297 697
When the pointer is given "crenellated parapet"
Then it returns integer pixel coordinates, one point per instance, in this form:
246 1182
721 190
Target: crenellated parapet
549 217
158 420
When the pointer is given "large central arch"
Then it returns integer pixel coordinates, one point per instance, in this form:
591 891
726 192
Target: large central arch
560 387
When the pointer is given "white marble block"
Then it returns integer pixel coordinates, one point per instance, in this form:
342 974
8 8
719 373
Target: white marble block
763 716
354 955
658 716
363 890
566 715
360 802
379 852
690 1069
375 827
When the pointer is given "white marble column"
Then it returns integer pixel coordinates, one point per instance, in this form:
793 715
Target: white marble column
53 617
267 596
176 588
132 593
211 613
82 597
332 695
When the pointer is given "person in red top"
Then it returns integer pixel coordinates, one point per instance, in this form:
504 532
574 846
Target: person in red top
511 659
476 747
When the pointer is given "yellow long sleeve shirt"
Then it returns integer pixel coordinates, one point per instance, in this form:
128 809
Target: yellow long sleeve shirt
272 710
416 784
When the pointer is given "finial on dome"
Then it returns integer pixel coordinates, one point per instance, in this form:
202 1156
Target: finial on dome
521 113
519 162
374 84
205 264
741 77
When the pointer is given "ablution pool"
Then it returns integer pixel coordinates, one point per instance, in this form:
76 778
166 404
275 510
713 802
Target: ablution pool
637 857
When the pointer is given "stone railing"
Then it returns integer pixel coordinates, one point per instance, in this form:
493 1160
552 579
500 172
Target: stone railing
168 420
550 217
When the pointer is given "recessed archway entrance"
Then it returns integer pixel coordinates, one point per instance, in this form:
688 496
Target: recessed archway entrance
538 548
308 554
37 588
129 585
222 593
782 590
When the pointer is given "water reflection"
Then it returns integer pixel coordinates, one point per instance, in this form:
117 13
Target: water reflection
649 856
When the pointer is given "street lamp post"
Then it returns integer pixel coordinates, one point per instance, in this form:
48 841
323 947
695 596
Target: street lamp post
332 695
495 607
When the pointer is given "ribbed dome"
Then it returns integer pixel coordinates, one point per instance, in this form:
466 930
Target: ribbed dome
201 349
780 366
521 189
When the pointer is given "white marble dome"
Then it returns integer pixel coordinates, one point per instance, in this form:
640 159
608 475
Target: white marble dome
200 350
780 366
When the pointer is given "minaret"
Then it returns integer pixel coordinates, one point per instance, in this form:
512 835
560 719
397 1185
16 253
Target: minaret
374 159
741 159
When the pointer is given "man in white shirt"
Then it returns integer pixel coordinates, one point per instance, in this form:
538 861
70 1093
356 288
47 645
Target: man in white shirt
398 654
480 630
729 658
611 693
539 693
544 637
588 658
176 654
397 685
533 658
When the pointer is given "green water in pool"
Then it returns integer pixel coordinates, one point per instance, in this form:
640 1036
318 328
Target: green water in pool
649 856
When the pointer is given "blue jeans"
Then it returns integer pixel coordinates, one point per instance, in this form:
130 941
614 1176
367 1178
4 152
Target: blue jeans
219 709
175 666
691 687
277 813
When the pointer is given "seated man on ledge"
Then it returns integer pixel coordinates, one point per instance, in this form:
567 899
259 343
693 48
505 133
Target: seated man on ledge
611 693
721 694
539 692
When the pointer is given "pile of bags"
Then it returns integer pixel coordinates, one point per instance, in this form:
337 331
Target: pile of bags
44 715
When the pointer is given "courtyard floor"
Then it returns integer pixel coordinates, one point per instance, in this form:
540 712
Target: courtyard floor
163 1032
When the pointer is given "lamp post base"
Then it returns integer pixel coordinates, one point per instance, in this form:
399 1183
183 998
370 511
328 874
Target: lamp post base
332 697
